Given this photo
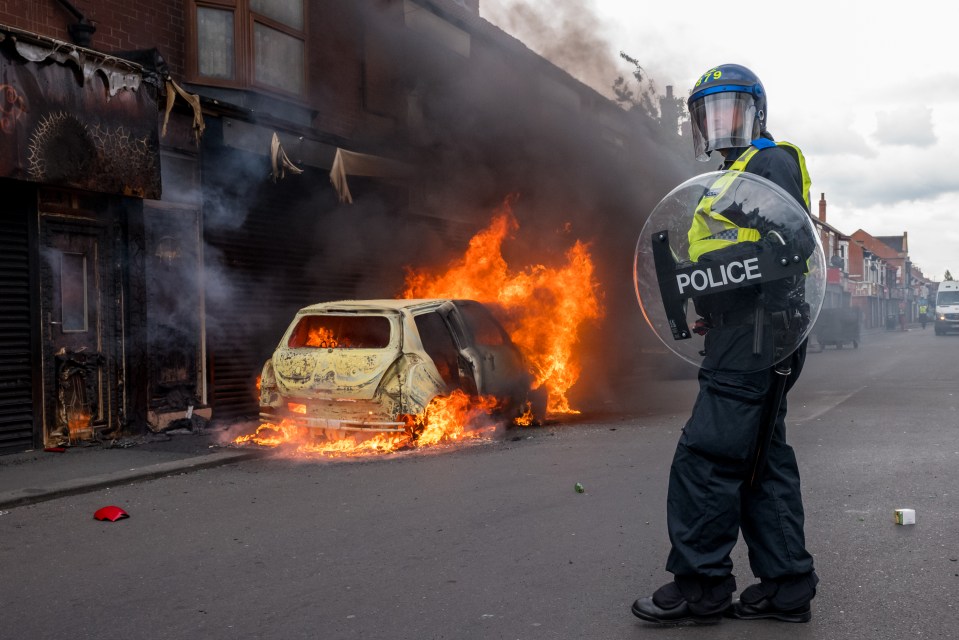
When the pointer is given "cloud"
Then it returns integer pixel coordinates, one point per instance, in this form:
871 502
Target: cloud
910 126
933 85
928 222
888 181
824 133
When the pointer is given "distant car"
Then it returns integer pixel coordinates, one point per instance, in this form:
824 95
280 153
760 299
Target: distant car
947 308
364 365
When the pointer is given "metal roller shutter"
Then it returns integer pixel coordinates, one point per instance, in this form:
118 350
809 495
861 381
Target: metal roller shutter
16 371
261 266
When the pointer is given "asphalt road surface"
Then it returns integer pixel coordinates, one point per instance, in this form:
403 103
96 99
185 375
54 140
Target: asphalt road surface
492 541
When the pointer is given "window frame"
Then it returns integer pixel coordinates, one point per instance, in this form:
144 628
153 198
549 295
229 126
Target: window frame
244 72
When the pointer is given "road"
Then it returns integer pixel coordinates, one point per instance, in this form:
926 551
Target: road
491 540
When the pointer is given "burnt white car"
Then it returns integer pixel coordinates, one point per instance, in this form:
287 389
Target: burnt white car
363 365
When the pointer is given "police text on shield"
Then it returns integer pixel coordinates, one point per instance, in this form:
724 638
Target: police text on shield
734 272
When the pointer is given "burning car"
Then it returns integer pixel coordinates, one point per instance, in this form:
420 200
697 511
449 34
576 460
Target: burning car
370 365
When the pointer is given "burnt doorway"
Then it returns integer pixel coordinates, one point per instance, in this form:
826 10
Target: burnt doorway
173 269
79 329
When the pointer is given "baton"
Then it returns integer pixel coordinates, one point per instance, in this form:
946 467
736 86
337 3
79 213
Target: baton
767 426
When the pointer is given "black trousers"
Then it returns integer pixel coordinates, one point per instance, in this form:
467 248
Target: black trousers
710 500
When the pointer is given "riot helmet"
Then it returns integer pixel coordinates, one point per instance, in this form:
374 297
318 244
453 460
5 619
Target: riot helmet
727 109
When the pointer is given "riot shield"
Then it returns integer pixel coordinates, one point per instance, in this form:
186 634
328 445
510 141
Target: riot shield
750 300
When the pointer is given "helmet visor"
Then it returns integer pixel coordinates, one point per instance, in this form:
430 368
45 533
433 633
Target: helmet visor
723 121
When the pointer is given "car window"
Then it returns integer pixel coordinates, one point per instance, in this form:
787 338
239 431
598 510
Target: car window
948 297
438 344
485 329
341 332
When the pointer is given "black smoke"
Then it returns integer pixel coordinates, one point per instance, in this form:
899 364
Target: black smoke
507 121
500 121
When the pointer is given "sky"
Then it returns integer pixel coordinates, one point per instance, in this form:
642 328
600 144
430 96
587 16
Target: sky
869 90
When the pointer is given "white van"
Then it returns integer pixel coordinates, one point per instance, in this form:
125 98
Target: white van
947 307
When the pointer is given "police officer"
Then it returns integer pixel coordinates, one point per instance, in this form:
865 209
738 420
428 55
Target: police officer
711 497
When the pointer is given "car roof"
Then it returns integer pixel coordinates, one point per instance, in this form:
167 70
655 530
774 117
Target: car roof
381 304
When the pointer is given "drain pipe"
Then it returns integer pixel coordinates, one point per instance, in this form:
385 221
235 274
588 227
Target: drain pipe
82 31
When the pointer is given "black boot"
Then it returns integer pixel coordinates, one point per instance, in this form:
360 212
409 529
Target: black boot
699 600
784 599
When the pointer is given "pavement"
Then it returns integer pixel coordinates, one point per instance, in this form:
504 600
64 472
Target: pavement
37 475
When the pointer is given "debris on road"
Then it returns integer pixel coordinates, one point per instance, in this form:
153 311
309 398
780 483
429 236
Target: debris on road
111 513
905 516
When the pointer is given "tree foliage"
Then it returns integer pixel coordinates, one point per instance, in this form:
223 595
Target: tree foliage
645 99
667 109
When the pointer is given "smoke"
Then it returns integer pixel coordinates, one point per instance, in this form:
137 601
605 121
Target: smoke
569 35
582 167
501 121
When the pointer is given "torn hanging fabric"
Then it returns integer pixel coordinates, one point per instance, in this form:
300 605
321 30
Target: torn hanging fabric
361 164
280 161
172 90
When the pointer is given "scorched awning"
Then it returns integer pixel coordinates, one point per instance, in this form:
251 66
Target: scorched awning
74 117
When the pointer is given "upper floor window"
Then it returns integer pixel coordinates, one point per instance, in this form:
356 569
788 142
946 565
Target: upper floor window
241 43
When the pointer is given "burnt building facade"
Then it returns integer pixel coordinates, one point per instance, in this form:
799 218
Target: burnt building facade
79 154
181 175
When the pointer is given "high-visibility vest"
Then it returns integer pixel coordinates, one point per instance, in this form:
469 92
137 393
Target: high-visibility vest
711 230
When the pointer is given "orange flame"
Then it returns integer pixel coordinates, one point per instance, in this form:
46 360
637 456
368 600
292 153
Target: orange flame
446 419
78 425
455 417
323 338
546 306
527 418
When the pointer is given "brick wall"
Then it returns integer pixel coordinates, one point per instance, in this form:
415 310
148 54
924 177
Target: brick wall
121 25
336 66
335 54
45 17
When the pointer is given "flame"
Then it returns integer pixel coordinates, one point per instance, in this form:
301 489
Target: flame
526 419
454 417
271 435
447 419
546 306
78 424
323 338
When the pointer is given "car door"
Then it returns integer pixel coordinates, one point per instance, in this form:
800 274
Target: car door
441 344
500 368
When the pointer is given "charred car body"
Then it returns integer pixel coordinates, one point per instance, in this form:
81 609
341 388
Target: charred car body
366 365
